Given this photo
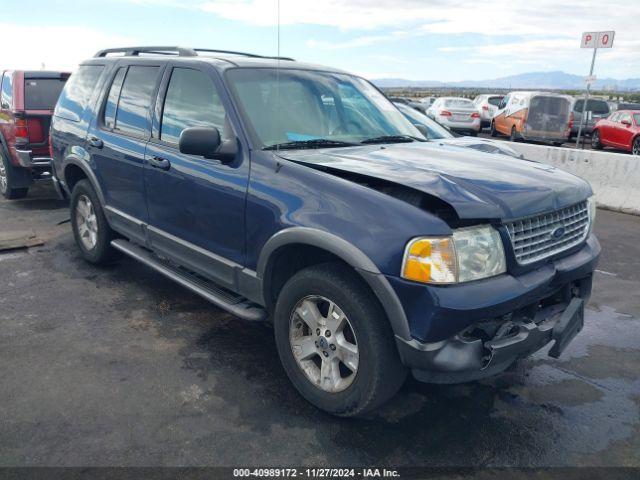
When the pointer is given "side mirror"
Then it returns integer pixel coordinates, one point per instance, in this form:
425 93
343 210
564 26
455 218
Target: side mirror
626 122
206 142
423 130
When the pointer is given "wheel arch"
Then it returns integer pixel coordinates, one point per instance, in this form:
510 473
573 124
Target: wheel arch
74 170
277 262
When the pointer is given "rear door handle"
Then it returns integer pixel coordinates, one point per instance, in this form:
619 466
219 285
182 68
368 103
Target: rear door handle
159 162
96 142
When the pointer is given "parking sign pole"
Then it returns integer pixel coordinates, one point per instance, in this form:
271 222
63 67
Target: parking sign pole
584 104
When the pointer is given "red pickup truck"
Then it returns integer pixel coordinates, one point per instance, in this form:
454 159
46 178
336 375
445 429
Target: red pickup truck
27 99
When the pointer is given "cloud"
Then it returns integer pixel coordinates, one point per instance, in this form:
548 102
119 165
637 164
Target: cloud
55 48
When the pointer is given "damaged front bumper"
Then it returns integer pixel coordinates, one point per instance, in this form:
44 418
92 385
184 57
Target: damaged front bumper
496 335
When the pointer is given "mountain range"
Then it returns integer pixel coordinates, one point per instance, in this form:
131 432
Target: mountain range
534 80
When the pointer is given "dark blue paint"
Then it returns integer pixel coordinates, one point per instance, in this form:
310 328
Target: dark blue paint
232 210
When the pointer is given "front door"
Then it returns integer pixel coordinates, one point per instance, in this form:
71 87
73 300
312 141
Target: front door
196 205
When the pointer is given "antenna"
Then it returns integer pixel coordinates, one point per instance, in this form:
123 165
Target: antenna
278 76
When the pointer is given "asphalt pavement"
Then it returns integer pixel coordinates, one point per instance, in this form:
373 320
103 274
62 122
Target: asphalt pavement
117 365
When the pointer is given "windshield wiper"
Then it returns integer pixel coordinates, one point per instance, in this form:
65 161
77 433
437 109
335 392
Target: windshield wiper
392 139
313 143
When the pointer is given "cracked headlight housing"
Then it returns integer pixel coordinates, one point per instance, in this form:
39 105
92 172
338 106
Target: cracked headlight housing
469 254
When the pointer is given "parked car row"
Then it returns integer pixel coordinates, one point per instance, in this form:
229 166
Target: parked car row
300 195
536 116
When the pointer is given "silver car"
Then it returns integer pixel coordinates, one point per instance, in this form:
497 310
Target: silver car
458 114
487 105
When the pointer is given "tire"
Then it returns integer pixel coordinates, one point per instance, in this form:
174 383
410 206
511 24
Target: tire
96 250
635 149
514 134
378 374
473 134
596 143
8 177
494 132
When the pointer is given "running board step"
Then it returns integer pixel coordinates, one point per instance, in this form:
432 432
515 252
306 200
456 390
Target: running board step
237 305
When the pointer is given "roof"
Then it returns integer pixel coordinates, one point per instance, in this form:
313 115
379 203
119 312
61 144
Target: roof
221 58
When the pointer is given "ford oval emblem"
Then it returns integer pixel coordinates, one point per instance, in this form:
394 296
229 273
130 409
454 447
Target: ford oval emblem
558 233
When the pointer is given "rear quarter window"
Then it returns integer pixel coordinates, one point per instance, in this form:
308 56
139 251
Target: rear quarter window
77 92
42 93
6 92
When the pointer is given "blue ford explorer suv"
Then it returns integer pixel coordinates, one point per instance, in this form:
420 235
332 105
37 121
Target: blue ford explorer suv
299 194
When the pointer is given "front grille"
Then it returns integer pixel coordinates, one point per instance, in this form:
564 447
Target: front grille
532 238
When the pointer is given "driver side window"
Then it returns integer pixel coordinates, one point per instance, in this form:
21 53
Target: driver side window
191 101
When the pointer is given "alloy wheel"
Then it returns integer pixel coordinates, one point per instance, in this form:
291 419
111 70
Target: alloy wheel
595 140
324 344
86 222
636 147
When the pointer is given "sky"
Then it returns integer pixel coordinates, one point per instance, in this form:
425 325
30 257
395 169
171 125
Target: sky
445 40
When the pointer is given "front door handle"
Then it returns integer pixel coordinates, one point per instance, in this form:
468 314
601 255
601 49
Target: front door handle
96 142
159 162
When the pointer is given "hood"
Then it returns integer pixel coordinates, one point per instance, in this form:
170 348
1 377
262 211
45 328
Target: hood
477 185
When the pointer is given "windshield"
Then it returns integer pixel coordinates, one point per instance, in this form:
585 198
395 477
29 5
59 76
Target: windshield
310 105
458 102
636 117
495 101
435 130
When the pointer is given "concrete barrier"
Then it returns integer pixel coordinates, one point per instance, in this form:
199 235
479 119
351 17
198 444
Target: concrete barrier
615 177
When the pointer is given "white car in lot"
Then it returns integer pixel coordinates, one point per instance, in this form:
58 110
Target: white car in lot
487 105
457 114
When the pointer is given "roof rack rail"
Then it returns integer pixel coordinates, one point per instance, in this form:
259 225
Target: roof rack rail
180 51
136 51
244 54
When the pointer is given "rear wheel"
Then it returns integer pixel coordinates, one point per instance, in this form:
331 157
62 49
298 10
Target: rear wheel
90 228
335 342
636 146
596 143
8 176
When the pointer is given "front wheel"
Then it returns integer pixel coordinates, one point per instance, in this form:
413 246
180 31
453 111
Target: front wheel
494 132
335 342
636 146
596 143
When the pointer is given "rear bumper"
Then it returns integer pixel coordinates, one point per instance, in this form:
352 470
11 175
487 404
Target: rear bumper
27 159
472 331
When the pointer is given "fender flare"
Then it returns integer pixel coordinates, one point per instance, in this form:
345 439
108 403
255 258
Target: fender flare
88 171
350 254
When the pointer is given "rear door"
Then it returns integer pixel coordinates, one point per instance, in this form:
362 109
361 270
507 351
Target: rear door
607 129
625 133
117 141
196 205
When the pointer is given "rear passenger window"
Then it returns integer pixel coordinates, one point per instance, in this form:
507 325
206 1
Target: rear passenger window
191 101
110 107
135 100
42 93
77 92
7 91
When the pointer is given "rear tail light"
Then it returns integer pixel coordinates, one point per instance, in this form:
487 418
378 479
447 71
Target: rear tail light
21 130
571 119
445 113
475 115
